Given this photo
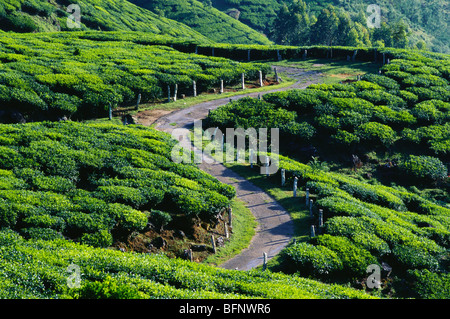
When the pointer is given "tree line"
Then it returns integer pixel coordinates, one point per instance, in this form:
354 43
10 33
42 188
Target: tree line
295 25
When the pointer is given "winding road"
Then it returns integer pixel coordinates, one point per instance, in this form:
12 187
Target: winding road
275 227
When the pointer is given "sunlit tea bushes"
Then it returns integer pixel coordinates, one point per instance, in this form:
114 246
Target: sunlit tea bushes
92 183
38 269
366 224
406 104
81 74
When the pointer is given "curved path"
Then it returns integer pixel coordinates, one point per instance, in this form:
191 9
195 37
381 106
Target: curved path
275 227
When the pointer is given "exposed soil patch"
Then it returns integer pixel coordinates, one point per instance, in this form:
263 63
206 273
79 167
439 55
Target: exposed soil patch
175 242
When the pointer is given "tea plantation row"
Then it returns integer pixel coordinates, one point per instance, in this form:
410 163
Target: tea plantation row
407 105
68 191
97 184
48 76
403 112
39 269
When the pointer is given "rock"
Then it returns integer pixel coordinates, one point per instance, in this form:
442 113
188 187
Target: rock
220 242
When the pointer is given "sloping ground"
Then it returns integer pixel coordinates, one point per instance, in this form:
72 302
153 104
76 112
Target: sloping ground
104 15
207 20
427 19
40 269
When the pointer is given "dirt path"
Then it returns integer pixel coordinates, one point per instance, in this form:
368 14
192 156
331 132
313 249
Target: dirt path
275 227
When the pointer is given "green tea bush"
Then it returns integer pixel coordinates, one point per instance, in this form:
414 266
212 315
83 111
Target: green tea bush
346 138
92 182
160 219
354 259
428 112
380 97
393 117
377 132
424 168
430 285
384 81
314 260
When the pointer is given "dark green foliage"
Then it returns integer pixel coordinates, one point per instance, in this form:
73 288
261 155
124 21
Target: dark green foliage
424 167
159 218
91 182
378 133
429 285
40 15
314 260
206 20
42 81
35 269
354 259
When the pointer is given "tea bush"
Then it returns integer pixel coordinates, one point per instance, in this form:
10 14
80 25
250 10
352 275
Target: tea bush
92 182
424 167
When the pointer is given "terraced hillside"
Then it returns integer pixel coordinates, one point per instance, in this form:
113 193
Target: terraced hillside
373 157
66 188
205 19
81 74
104 15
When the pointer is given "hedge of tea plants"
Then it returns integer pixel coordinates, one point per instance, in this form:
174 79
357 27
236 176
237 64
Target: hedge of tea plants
406 105
98 15
79 75
98 183
366 223
39 269
404 110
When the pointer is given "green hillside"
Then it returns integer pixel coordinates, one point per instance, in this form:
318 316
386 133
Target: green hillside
79 75
205 19
427 20
104 15
67 190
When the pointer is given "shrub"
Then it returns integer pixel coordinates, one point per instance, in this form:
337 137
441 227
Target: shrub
8 216
128 219
311 260
424 167
109 288
41 233
392 117
426 112
354 259
121 194
101 238
378 133
414 258
346 138
381 80
160 219
430 285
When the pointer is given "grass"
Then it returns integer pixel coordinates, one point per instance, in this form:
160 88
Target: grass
332 71
244 225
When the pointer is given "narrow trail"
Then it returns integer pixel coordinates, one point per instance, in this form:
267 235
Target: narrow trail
275 227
